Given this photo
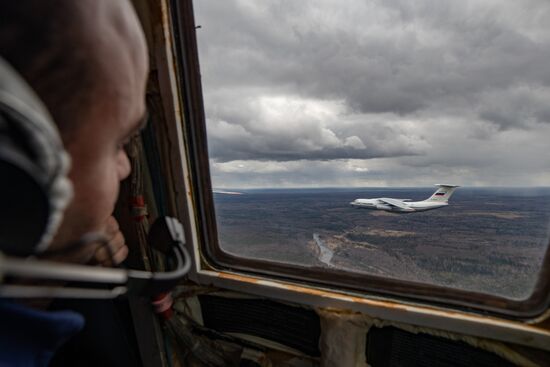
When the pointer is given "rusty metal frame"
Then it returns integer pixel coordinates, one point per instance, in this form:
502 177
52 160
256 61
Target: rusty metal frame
212 259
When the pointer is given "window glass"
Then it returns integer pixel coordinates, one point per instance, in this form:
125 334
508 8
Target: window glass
311 105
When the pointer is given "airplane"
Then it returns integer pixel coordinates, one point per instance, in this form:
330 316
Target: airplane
439 199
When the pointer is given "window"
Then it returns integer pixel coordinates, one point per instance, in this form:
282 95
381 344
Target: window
310 106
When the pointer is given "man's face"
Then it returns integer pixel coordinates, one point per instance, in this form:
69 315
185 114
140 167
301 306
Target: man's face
99 161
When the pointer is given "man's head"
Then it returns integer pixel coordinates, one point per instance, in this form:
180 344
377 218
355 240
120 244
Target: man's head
87 61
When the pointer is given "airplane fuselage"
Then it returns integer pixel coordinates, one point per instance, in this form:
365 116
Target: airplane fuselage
412 206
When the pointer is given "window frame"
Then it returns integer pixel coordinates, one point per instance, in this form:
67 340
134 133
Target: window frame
211 258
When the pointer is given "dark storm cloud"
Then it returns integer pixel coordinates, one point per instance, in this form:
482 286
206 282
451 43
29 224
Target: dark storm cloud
223 152
389 56
523 106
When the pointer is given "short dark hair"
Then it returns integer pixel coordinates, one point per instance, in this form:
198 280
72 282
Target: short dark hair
42 40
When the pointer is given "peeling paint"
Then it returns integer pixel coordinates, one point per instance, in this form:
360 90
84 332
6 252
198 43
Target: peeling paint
456 321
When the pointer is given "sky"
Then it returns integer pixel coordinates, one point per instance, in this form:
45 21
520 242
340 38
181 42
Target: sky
363 93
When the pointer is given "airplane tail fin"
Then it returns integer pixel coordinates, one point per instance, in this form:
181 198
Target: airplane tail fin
443 193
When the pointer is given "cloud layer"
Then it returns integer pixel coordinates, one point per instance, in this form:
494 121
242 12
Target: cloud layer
325 93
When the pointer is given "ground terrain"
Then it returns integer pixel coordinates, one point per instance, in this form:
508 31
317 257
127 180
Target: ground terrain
488 240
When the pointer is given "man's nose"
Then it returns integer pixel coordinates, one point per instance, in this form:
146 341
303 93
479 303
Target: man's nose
124 167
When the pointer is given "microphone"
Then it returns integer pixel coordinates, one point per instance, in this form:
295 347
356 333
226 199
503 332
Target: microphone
166 235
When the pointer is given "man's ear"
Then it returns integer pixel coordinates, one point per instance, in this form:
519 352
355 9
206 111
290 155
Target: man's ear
34 187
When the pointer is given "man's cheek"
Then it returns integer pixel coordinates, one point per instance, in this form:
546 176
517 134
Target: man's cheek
96 196
106 196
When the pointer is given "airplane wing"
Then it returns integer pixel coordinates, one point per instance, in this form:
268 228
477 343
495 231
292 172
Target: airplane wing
395 202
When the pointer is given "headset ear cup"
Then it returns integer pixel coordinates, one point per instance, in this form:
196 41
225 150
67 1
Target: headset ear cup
25 209
34 167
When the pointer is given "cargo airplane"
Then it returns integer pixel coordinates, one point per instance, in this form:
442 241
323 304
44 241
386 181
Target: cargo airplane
439 199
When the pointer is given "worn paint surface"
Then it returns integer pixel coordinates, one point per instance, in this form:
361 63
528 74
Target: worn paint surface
357 326
343 339
427 316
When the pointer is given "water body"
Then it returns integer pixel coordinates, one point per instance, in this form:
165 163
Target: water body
488 240
325 254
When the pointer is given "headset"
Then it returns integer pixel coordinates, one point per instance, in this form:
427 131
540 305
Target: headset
34 192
